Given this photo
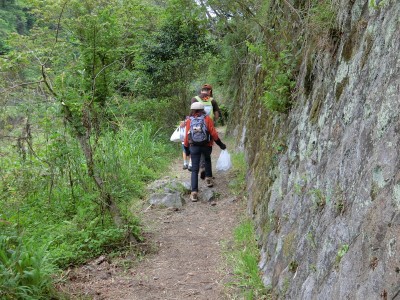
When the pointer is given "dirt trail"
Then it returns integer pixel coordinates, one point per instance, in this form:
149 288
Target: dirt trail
186 261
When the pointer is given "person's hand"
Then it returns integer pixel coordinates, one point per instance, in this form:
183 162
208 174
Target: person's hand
216 116
220 144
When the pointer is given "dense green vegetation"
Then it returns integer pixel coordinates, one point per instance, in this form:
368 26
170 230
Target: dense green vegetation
14 18
84 122
89 91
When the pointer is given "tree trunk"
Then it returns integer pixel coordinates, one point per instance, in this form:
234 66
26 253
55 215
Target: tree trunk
84 141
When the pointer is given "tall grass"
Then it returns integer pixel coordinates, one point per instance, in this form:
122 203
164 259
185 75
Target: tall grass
130 158
244 255
238 184
50 200
24 273
244 258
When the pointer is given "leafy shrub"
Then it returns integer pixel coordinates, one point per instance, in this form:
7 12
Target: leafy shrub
161 113
322 17
279 76
68 214
82 243
25 273
279 81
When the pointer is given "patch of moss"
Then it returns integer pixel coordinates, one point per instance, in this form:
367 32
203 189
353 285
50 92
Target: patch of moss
266 227
347 50
374 191
316 108
318 198
339 202
341 252
340 87
293 266
367 49
285 288
277 224
288 244
349 45
265 161
309 79
335 35
311 239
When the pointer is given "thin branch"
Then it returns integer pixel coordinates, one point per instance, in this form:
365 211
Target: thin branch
295 10
45 79
94 76
57 31
47 83
9 137
19 85
106 66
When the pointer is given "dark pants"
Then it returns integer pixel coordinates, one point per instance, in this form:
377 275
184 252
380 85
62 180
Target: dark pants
195 153
202 161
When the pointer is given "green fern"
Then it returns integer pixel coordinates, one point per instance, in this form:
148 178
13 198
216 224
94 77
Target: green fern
24 273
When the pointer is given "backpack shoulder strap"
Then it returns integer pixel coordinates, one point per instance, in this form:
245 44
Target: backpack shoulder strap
202 101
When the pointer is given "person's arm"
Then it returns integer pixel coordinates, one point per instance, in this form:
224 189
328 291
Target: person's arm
214 134
211 128
216 115
215 110
186 141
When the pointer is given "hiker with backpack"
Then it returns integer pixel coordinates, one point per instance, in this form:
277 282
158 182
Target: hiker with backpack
199 138
211 109
210 104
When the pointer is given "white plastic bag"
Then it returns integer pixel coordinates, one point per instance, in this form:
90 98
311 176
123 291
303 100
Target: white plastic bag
176 136
182 133
224 161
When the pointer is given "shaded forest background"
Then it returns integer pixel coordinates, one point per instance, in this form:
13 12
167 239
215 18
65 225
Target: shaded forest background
90 91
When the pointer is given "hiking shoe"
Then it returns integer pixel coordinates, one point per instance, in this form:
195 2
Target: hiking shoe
202 174
185 166
193 197
209 182
189 168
